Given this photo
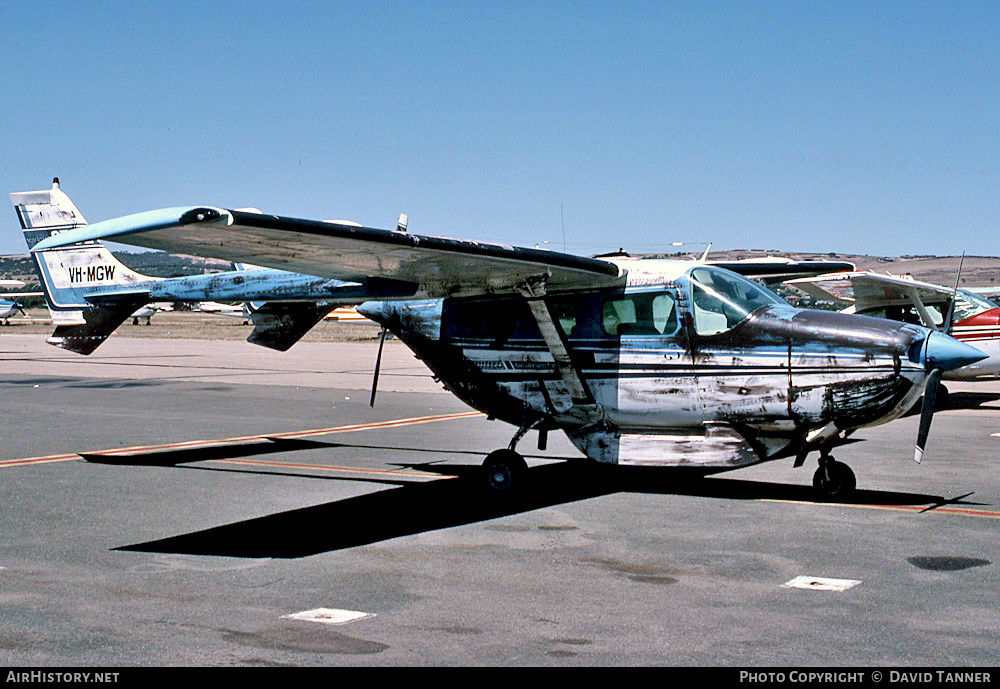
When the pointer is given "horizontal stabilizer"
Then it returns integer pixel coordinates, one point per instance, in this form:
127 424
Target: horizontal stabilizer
99 323
279 325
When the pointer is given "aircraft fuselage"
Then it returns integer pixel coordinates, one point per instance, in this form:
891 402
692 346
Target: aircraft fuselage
671 385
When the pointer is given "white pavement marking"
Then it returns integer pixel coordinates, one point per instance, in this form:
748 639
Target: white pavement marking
329 616
821 583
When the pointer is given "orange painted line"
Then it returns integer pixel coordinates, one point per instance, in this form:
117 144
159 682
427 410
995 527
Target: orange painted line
285 436
325 467
946 510
930 509
189 444
37 460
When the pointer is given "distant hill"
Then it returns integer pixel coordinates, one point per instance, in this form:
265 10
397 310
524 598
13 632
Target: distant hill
977 271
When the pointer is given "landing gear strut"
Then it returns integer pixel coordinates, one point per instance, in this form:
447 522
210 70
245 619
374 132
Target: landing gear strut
834 479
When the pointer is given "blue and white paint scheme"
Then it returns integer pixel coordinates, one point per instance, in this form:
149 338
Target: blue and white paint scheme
89 292
639 362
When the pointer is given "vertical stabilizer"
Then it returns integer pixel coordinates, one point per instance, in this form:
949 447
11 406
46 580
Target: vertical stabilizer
71 274
43 213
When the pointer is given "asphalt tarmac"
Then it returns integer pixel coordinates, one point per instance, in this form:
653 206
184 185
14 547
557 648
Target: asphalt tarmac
177 502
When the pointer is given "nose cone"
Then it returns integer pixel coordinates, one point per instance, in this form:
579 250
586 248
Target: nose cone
947 353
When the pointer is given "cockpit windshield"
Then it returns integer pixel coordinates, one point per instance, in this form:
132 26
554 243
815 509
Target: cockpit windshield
969 304
721 299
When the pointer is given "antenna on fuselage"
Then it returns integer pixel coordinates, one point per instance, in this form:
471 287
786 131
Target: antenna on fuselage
946 328
562 220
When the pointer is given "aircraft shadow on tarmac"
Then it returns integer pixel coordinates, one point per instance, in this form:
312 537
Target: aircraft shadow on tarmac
413 508
961 400
971 400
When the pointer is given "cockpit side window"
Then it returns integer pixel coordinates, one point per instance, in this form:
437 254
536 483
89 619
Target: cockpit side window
721 300
641 313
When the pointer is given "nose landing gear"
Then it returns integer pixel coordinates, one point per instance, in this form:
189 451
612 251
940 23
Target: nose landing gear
504 472
834 479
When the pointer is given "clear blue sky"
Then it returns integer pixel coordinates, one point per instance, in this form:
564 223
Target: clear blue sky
869 127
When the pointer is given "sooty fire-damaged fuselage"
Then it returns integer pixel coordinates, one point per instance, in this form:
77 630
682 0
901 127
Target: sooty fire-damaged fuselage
684 366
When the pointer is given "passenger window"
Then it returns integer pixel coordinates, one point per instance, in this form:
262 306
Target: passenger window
642 313
566 313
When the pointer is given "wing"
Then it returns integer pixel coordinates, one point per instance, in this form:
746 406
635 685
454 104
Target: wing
872 290
991 293
777 269
836 287
387 262
888 296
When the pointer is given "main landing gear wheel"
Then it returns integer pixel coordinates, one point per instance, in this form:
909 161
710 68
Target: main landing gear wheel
504 472
834 479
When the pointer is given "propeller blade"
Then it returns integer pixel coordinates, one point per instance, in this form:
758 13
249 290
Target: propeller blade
927 413
378 364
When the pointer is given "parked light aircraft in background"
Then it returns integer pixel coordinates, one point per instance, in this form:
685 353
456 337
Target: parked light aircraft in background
341 313
235 310
9 308
975 319
640 362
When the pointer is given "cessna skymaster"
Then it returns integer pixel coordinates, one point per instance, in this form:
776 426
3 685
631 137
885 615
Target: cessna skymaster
657 363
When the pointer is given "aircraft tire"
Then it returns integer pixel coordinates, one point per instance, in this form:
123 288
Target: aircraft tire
504 472
834 479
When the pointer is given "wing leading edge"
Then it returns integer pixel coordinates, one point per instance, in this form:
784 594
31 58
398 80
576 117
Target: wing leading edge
386 259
